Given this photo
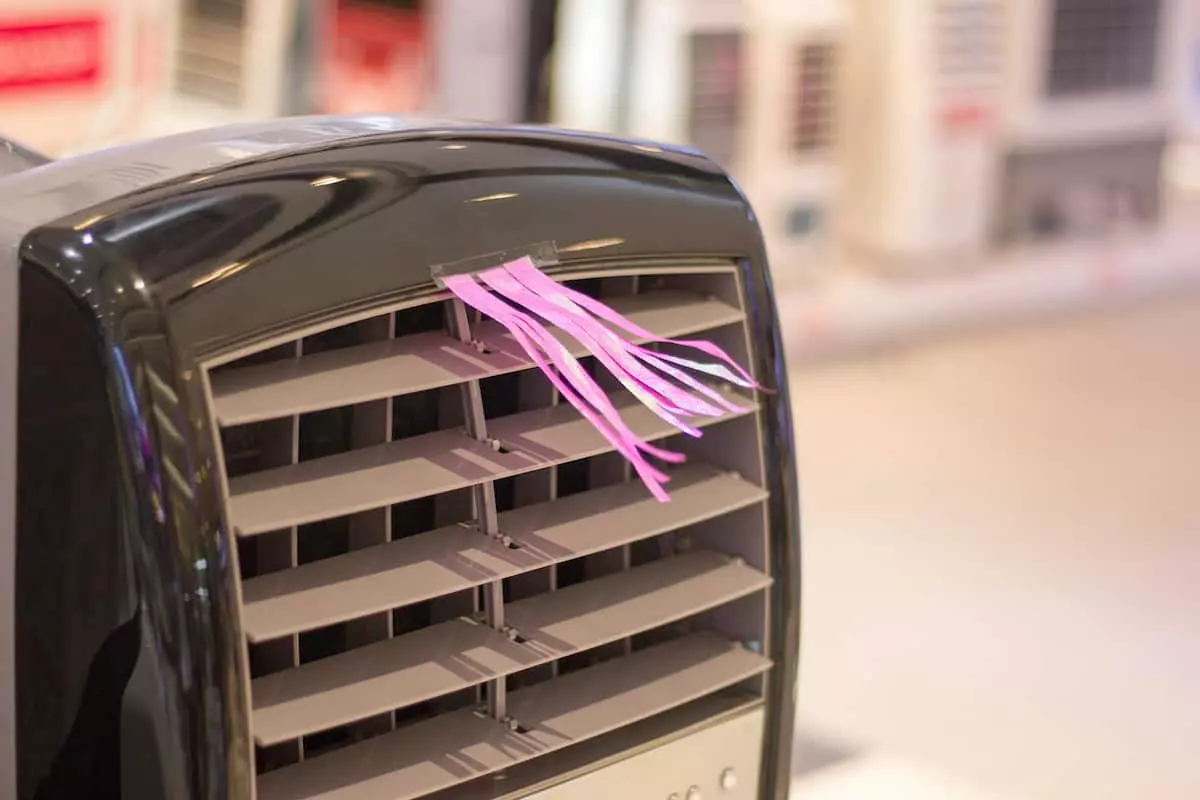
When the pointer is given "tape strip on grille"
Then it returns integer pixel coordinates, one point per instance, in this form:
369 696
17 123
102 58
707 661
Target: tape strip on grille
444 572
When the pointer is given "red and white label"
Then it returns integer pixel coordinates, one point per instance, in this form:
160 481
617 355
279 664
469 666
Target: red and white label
373 60
965 117
58 54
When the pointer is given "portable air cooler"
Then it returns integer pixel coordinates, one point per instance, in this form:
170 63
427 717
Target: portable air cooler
248 457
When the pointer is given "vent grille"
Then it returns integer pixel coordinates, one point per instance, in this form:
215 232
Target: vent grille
1103 46
212 41
968 43
446 573
814 97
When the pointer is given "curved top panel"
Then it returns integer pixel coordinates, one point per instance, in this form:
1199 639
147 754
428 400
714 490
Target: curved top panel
244 248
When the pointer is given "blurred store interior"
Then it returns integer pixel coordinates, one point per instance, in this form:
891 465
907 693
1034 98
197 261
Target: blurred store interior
981 217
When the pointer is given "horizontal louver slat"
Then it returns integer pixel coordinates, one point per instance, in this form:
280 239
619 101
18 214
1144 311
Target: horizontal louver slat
375 579
595 701
442 561
389 674
425 361
415 667
429 464
626 603
459 746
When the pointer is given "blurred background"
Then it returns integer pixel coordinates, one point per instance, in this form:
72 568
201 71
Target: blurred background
981 217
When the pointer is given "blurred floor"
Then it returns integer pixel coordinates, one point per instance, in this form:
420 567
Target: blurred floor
1002 564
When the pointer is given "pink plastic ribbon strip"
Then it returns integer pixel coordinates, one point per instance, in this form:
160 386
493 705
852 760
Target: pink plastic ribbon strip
658 380
570 379
525 271
662 397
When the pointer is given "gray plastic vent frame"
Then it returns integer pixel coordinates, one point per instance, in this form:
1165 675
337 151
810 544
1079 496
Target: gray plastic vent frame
380 573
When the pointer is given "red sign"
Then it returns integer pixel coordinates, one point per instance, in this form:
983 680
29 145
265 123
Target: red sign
59 54
374 59
965 117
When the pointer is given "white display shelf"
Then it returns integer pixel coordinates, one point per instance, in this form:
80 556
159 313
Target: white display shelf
849 309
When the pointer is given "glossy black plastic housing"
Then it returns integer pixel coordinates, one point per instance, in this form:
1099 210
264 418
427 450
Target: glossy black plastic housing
185 270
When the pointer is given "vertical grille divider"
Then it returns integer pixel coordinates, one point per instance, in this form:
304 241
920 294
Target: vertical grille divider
627 469
388 533
534 391
294 538
552 573
278 442
372 425
486 514
738 295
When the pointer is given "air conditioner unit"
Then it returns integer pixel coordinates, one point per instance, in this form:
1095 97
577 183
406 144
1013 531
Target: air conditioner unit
791 150
671 71
244 60
981 124
71 70
688 76
281 519
229 61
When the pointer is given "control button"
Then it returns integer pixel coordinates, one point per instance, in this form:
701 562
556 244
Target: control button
729 780
694 793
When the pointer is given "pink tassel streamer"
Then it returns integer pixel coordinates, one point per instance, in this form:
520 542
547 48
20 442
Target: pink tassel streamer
525 271
640 370
570 379
663 398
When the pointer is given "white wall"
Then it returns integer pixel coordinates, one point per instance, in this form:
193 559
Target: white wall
479 52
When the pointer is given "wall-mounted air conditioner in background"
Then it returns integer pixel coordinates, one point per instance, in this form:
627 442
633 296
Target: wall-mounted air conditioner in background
670 70
981 124
1089 102
228 61
790 140
590 50
687 76
751 83
918 128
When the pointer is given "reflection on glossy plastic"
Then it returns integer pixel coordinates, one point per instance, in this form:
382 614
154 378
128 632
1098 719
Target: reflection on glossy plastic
38 196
